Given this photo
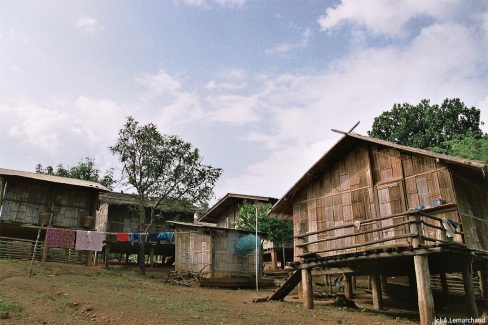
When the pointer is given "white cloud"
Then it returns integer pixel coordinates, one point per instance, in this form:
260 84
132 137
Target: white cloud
384 17
87 25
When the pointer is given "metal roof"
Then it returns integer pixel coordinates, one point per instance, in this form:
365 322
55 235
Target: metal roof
343 147
53 179
231 199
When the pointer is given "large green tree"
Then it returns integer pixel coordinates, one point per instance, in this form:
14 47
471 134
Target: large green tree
451 128
162 168
427 126
279 231
85 170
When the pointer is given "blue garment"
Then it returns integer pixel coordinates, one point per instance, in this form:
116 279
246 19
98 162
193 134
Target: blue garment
167 236
152 237
135 236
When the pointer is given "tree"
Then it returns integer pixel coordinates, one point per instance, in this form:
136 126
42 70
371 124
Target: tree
85 170
466 146
279 231
162 168
427 126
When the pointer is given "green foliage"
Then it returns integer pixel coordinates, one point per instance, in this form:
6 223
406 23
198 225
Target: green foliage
427 126
466 146
163 166
85 170
278 230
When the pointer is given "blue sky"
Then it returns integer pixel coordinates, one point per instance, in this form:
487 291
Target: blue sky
257 86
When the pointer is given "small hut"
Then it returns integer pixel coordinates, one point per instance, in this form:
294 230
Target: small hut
219 256
372 207
223 214
29 200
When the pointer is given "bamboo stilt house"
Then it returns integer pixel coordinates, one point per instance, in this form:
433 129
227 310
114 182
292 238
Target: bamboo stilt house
118 213
28 200
373 207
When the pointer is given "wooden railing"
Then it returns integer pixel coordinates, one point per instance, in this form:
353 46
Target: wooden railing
414 224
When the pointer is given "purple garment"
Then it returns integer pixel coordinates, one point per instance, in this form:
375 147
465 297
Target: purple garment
63 238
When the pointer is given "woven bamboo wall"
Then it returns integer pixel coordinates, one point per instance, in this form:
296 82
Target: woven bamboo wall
473 208
226 262
24 201
193 251
371 182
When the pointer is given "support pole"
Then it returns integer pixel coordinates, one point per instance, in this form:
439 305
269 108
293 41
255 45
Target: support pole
307 289
445 289
424 291
376 290
472 309
483 275
107 254
348 293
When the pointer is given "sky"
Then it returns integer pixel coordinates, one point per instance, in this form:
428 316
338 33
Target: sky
257 86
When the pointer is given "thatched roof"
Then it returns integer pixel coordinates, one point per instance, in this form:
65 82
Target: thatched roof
348 143
53 179
231 199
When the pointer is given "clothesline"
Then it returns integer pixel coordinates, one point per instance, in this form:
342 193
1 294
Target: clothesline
93 240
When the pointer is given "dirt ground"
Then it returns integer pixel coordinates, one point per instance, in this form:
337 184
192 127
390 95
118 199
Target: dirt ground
77 294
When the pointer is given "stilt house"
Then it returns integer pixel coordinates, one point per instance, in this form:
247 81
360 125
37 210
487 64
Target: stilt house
29 200
118 213
372 207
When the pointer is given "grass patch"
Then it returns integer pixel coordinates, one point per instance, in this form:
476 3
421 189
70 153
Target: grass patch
11 307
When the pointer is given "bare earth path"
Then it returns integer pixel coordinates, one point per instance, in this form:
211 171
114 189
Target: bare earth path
76 294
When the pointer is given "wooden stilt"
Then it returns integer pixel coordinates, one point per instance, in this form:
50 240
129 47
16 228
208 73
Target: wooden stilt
472 309
96 259
445 289
412 286
107 254
376 290
348 293
307 289
353 283
424 291
384 284
369 282
151 256
483 275
89 258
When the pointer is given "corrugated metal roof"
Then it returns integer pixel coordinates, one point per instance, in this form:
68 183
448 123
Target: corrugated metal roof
53 179
231 199
347 143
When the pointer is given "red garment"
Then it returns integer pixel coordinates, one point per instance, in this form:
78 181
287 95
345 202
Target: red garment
122 236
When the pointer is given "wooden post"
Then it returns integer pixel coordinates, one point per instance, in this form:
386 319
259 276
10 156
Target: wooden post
376 290
307 289
445 289
353 283
151 256
348 293
89 258
107 254
96 259
384 284
483 275
424 291
412 286
472 309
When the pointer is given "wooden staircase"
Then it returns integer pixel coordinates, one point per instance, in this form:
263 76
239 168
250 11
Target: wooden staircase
287 286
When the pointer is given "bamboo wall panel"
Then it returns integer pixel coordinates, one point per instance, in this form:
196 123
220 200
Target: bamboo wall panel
193 251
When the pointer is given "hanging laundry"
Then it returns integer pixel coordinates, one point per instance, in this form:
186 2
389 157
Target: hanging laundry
166 236
135 236
89 240
152 237
61 238
122 236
